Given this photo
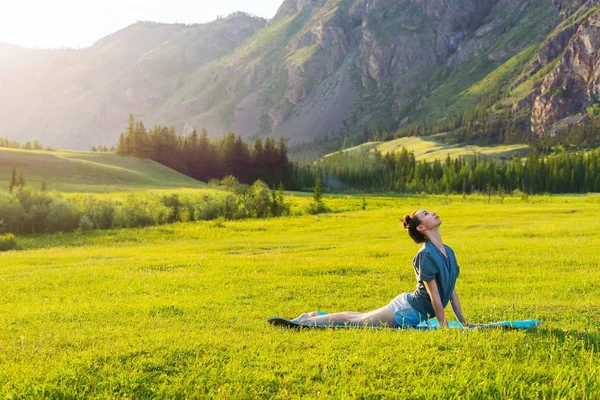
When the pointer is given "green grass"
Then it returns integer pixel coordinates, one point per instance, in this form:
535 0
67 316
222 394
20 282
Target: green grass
576 18
528 86
178 311
80 171
300 56
433 147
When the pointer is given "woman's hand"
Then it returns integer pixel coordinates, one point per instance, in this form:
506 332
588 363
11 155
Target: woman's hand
455 302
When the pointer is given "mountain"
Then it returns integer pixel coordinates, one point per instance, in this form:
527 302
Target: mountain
317 68
74 98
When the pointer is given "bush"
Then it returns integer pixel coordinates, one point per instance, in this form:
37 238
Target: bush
101 213
28 211
230 182
85 224
36 219
261 199
11 214
315 208
228 206
62 216
278 206
134 214
185 214
218 223
161 214
206 211
173 203
7 242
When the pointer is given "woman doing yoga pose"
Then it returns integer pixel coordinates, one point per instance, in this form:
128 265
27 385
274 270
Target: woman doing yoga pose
436 271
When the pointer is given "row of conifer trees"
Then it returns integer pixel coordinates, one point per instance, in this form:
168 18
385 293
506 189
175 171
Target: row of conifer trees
28 145
562 172
202 158
205 159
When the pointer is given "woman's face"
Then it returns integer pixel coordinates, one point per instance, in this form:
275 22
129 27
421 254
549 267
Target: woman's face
429 220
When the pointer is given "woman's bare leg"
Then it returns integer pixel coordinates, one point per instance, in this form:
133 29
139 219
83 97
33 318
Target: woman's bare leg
379 317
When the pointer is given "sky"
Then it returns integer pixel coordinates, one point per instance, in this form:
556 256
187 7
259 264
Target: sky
79 23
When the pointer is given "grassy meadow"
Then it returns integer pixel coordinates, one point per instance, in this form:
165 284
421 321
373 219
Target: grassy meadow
89 172
429 148
178 311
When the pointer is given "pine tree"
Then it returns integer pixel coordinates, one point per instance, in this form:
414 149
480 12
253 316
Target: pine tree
318 191
140 141
21 179
280 190
13 179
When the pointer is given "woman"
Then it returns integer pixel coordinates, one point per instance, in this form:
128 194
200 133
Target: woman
436 271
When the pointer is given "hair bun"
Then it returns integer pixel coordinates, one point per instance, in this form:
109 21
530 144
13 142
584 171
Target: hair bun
406 221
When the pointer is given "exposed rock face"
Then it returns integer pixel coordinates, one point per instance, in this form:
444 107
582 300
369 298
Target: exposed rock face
318 66
574 82
423 34
386 43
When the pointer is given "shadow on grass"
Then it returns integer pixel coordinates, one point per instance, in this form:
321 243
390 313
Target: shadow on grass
590 340
77 239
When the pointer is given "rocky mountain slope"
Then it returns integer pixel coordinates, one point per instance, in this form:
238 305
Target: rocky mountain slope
75 98
318 67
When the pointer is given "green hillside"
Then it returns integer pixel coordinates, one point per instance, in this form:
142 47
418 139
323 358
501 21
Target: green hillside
71 171
434 147
325 74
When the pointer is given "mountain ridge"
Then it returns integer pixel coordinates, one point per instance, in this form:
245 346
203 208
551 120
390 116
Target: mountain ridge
318 68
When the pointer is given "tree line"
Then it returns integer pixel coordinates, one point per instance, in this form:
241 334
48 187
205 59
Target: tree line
198 156
28 145
562 172
204 159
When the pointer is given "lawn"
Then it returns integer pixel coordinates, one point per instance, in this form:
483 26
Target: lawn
178 311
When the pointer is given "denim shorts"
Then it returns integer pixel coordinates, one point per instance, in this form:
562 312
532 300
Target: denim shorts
404 314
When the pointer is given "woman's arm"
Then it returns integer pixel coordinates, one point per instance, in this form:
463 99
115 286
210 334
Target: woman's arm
457 308
436 301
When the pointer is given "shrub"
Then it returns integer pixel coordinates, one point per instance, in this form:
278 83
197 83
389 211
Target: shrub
173 203
25 196
133 214
62 216
278 206
261 199
228 206
315 208
185 214
230 182
36 219
7 242
218 223
11 214
161 214
85 224
101 213
36 207
206 211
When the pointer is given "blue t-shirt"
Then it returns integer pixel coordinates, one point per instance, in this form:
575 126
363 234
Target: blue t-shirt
430 263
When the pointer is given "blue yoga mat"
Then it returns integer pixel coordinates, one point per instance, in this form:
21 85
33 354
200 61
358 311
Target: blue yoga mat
428 325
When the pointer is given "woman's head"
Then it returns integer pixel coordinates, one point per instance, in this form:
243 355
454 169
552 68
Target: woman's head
419 223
